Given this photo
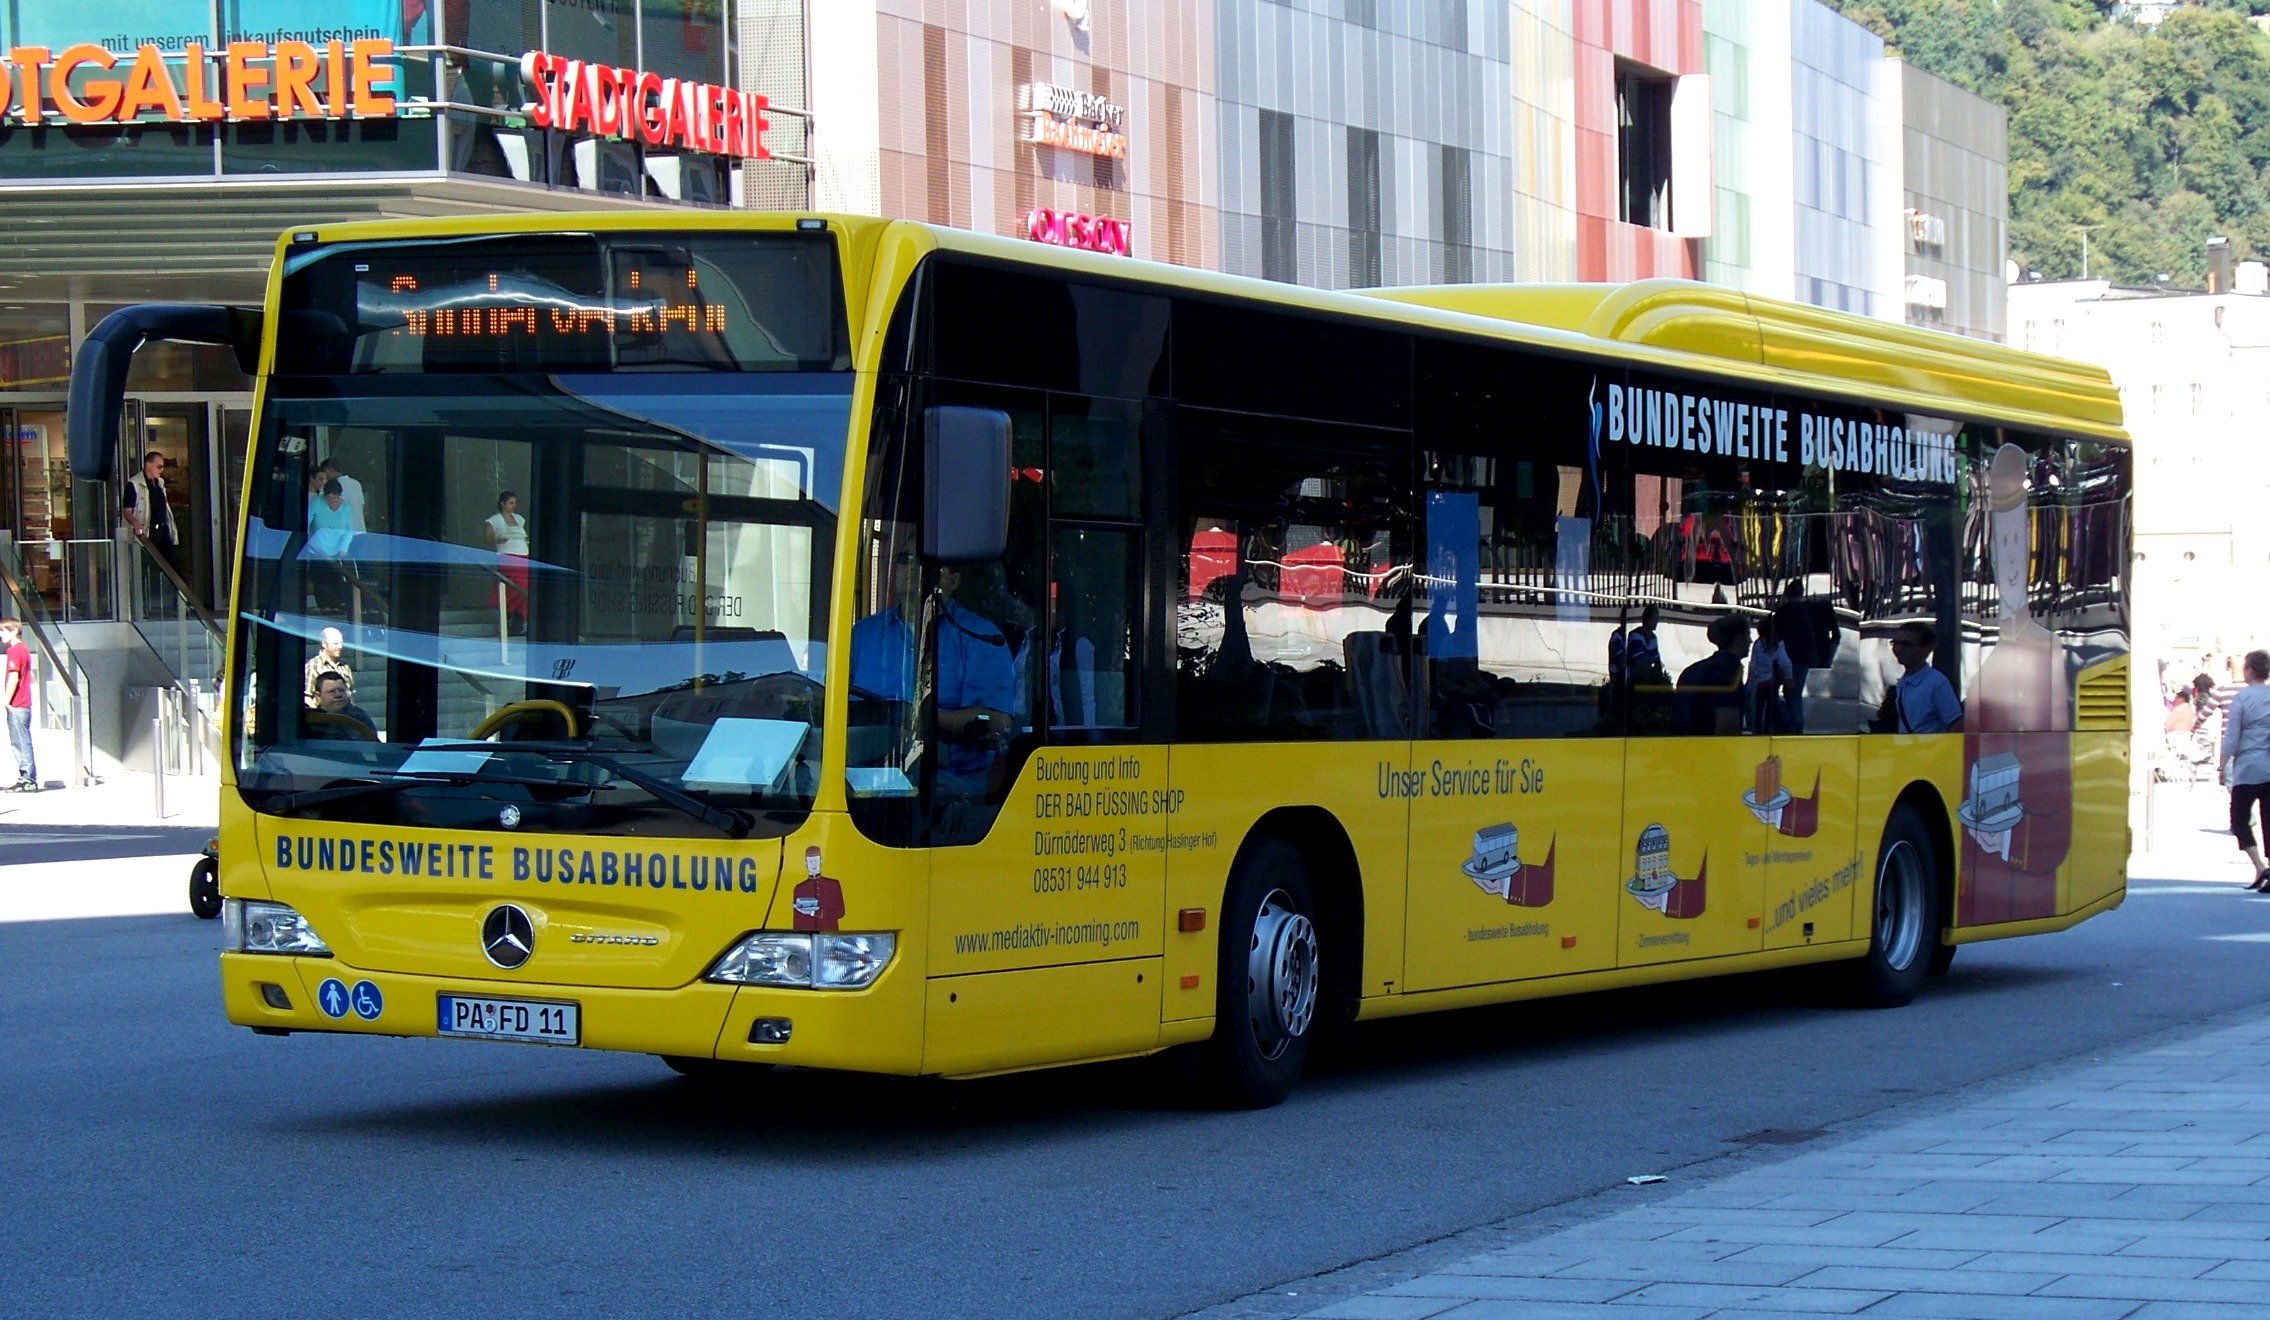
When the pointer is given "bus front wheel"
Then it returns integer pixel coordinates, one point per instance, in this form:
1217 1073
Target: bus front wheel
1267 981
1904 918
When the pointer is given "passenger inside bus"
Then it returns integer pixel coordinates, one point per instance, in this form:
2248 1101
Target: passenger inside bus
1710 690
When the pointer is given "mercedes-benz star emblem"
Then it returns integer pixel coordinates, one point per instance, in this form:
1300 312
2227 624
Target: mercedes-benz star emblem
508 936
509 817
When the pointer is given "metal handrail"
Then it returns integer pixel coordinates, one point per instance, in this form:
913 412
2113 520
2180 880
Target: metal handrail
62 665
187 593
33 612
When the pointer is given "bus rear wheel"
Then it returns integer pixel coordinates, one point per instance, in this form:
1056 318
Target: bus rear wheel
1268 979
1903 931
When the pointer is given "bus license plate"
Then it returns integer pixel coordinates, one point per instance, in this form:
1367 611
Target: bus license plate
537 1021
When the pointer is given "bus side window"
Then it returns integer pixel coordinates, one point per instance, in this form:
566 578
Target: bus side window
1087 668
1511 639
1713 537
1293 619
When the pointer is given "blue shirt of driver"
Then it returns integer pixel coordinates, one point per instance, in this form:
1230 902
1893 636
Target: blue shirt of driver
974 669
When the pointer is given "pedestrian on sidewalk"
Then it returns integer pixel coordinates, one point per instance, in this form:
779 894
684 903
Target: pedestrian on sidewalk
2246 762
16 694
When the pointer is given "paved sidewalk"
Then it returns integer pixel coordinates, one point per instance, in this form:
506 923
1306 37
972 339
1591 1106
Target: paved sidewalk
2135 1187
126 800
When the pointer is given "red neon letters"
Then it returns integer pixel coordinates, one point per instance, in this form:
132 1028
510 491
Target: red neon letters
1071 229
578 97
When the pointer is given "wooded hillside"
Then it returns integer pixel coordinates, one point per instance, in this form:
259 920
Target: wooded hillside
2151 139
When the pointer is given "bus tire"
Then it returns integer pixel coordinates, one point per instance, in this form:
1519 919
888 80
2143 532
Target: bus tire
205 888
1267 982
1903 925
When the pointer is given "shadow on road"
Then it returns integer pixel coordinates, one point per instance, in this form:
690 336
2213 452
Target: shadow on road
795 1116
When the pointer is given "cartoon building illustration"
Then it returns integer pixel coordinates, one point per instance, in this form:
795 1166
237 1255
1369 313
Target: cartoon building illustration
1497 869
1651 868
1657 886
1994 806
1774 805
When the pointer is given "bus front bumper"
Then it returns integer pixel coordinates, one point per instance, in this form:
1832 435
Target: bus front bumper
867 1031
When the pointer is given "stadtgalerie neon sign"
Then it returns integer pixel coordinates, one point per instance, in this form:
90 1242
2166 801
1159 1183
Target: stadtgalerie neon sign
242 80
576 96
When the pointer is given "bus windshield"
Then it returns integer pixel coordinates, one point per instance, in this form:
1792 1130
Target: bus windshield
616 562
498 581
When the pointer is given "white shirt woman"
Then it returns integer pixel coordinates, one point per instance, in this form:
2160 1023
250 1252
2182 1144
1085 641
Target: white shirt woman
508 531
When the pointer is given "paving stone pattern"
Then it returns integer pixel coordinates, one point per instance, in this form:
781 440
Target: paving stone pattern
2137 1188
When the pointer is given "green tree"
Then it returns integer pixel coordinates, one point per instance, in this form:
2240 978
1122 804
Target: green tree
2151 139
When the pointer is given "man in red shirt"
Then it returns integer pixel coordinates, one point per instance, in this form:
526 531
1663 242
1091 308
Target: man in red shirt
16 692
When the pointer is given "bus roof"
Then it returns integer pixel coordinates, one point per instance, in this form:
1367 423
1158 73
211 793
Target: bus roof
1715 322
1658 324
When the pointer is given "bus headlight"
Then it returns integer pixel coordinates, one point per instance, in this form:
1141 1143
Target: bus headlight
805 961
251 926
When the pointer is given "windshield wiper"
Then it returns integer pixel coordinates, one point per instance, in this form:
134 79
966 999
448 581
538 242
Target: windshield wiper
290 803
729 821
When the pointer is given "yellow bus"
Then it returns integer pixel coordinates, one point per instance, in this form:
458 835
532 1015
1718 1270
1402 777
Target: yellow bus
856 644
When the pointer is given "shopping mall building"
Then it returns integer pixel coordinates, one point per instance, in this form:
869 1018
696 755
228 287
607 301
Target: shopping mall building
153 149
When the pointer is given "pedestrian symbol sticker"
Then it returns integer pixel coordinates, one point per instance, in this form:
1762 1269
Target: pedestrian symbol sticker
368 1002
331 997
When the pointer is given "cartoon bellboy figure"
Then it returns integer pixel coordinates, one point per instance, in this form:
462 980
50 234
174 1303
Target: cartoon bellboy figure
819 900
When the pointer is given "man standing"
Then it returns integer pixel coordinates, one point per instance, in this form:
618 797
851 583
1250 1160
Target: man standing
330 660
2246 760
151 519
16 691
350 492
1807 627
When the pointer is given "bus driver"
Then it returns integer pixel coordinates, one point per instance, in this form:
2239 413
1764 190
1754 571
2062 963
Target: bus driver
976 680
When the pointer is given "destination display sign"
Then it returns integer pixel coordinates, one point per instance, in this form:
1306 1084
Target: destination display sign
564 303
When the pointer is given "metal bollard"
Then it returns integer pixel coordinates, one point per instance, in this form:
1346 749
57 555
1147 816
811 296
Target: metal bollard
158 754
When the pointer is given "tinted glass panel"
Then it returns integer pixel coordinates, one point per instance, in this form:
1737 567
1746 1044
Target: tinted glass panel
1247 360
1018 329
1513 623
1292 617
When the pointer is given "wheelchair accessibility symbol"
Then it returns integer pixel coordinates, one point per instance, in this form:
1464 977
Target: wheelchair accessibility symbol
368 1002
331 997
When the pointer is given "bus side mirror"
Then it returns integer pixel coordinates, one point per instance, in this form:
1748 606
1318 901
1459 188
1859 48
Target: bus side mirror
965 472
98 370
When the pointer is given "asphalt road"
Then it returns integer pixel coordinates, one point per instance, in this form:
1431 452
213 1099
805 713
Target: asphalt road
159 1162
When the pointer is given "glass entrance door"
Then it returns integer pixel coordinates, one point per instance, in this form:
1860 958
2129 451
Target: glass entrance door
182 433
233 424
35 495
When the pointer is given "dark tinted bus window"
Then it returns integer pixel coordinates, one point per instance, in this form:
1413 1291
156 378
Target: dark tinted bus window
1708 475
1018 328
2043 581
1513 624
1291 617
1247 360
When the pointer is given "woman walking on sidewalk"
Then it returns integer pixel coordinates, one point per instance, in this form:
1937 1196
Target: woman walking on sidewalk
2246 761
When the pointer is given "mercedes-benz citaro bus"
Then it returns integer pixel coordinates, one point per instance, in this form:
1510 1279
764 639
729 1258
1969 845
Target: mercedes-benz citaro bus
857 644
